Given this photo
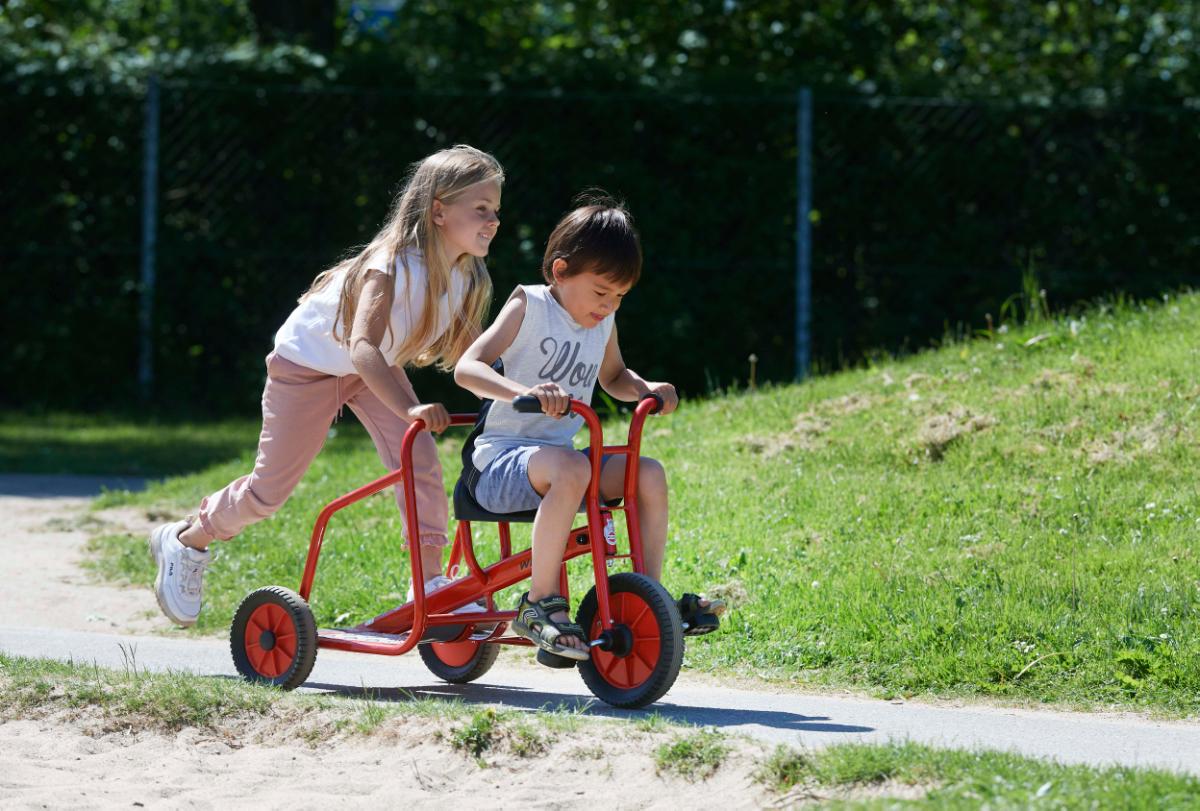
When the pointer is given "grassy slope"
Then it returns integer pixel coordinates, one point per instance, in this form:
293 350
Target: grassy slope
1005 517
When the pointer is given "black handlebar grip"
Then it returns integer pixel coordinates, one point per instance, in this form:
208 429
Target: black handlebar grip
527 404
659 404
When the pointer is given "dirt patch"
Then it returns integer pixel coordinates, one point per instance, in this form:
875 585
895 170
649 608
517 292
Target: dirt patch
1060 382
1054 379
1058 432
733 592
916 379
804 436
43 547
405 762
983 551
1086 365
848 404
1123 446
940 431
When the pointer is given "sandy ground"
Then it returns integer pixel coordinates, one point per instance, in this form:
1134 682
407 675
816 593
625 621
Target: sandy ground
54 764
46 525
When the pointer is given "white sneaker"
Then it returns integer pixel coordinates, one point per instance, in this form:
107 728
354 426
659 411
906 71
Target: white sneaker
180 574
440 581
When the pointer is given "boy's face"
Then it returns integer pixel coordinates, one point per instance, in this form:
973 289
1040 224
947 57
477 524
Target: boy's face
588 297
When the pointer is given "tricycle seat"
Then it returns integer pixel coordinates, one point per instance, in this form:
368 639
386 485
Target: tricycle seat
466 508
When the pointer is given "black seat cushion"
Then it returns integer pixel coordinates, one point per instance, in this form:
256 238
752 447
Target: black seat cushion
466 508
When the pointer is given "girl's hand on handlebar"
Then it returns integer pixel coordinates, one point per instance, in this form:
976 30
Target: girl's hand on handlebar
435 415
555 400
669 397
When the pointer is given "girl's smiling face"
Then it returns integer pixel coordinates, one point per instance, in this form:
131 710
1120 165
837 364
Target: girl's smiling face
469 223
588 297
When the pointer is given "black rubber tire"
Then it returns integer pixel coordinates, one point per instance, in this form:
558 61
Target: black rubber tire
670 655
481 662
302 624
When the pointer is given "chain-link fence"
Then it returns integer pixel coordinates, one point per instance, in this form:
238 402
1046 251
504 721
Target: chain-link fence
924 214
931 212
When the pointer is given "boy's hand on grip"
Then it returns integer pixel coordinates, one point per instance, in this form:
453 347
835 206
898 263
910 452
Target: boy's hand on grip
555 400
668 394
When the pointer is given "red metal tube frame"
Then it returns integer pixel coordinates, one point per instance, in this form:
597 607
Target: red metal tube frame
510 568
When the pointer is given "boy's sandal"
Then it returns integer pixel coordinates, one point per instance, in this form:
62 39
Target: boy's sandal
697 619
533 622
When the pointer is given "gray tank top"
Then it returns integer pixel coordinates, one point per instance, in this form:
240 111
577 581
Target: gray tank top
551 347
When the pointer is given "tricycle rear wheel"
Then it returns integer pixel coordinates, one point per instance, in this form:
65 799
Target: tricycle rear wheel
459 662
274 638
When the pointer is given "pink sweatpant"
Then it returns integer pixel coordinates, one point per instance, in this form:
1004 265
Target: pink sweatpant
298 405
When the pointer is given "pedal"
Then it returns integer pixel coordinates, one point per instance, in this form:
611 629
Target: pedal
545 657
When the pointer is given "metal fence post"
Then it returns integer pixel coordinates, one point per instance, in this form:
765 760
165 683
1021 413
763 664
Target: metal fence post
149 242
803 232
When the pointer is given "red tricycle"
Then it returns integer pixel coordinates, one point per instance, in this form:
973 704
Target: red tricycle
632 622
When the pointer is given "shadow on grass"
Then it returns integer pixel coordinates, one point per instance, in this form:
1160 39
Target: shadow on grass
37 485
78 444
148 456
532 700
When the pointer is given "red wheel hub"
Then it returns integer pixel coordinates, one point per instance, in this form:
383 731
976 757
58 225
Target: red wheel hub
270 640
633 669
455 654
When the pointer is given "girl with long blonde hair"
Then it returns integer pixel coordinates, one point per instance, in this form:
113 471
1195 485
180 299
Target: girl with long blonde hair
415 295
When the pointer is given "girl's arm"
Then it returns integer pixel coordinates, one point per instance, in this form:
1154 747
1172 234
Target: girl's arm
474 370
625 384
366 334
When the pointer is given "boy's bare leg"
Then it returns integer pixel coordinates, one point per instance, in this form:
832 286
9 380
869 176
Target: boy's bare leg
652 505
561 477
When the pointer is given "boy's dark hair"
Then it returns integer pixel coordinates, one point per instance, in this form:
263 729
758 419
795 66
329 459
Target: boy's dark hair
597 236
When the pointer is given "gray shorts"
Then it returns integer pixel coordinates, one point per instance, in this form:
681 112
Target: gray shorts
504 485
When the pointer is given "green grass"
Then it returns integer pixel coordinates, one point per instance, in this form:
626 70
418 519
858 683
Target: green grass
168 702
479 734
693 756
1009 517
949 778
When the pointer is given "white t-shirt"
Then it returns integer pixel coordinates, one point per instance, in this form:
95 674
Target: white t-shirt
306 337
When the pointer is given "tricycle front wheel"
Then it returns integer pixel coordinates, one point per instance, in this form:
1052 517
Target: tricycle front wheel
647 642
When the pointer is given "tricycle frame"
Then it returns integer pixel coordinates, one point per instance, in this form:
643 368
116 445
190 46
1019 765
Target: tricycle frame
399 630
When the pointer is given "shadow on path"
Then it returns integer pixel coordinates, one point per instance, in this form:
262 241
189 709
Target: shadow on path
530 700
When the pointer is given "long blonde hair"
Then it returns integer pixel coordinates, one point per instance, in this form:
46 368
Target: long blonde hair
444 175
